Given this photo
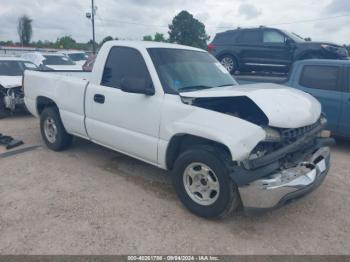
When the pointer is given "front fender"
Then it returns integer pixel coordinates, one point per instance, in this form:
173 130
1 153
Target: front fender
238 135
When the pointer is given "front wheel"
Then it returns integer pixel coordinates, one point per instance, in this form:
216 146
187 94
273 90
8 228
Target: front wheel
202 182
52 130
229 63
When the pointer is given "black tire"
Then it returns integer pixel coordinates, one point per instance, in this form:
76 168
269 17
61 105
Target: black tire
3 111
227 60
62 140
228 198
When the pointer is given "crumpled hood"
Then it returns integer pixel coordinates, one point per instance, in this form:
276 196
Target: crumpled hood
284 107
10 81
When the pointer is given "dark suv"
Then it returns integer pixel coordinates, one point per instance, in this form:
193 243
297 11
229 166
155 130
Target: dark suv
268 49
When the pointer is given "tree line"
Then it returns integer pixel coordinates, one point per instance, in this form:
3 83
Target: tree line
184 29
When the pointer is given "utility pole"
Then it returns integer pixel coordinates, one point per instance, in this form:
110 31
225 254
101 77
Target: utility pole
93 26
92 17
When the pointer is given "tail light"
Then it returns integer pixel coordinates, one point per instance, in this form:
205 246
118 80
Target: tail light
211 47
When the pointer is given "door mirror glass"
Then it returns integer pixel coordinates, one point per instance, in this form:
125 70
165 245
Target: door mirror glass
137 86
289 41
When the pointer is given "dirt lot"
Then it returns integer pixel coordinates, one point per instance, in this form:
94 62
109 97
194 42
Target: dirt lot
91 200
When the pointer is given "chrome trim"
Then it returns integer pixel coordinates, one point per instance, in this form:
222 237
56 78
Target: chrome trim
267 192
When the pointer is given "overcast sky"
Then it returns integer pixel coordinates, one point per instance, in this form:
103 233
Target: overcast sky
56 18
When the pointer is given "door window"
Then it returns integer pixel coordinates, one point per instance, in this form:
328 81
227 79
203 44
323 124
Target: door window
124 62
320 77
272 36
249 36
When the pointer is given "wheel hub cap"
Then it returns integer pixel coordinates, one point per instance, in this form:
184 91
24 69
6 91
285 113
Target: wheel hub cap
50 129
228 63
201 184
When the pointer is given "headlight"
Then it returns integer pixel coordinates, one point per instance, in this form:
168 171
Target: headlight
329 47
272 135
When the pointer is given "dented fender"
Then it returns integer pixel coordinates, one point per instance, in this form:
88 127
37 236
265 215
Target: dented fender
238 135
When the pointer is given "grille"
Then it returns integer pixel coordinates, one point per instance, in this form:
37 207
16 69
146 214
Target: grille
293 134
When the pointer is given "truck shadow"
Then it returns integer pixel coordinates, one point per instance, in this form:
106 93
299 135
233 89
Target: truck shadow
150 178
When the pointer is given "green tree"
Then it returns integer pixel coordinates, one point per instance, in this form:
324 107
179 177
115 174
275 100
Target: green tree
187 30
147 38
158 37
66 42
24 29
104 40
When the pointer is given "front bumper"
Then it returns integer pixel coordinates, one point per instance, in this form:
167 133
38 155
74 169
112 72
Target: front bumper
283 186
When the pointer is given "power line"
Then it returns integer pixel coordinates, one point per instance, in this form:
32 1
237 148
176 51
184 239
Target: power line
283 23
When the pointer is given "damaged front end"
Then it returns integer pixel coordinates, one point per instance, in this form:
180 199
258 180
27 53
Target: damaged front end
12 98
278 171
292 160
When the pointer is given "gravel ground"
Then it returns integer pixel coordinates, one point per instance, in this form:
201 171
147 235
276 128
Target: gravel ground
91 200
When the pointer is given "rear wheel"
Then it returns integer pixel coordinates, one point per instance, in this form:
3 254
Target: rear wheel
52 130
229 62
202 182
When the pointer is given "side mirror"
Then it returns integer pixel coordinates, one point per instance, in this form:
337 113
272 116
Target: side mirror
289 41
137 86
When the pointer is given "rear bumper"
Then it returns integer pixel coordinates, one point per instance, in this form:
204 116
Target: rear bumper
281 187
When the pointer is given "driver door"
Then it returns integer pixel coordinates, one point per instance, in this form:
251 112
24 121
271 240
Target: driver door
126 122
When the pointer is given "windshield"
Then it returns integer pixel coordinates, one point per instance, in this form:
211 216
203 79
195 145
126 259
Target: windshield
294 36
78 56
186 70
15 68
57 60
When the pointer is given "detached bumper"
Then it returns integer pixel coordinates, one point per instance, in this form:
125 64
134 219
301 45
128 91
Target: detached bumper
283 186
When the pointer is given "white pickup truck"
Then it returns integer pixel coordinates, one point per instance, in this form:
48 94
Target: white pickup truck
176 107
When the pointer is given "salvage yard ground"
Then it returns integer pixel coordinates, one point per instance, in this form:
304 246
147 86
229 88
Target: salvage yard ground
91 200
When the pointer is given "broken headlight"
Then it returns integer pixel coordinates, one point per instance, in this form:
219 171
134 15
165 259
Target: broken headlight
272 135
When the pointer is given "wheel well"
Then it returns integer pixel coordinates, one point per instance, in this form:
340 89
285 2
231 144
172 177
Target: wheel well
43 102
182 142
228 54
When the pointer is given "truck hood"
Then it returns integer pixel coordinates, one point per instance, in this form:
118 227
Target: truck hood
283 106
10 81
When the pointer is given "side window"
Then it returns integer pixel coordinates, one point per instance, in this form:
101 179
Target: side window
320 77
249 36
124 62
225 38
272 36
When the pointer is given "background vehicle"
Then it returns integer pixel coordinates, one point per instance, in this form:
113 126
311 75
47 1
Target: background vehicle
329 82
268 49
11 91
177 108
79 57
51 61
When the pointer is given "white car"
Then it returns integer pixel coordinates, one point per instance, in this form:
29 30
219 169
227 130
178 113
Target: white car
176 107
52 61
79 57
11 91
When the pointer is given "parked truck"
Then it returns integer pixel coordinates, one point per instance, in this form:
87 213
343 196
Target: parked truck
178 108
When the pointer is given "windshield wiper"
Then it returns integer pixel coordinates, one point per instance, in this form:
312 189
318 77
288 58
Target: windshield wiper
193 88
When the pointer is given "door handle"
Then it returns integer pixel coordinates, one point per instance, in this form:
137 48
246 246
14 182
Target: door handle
99 98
